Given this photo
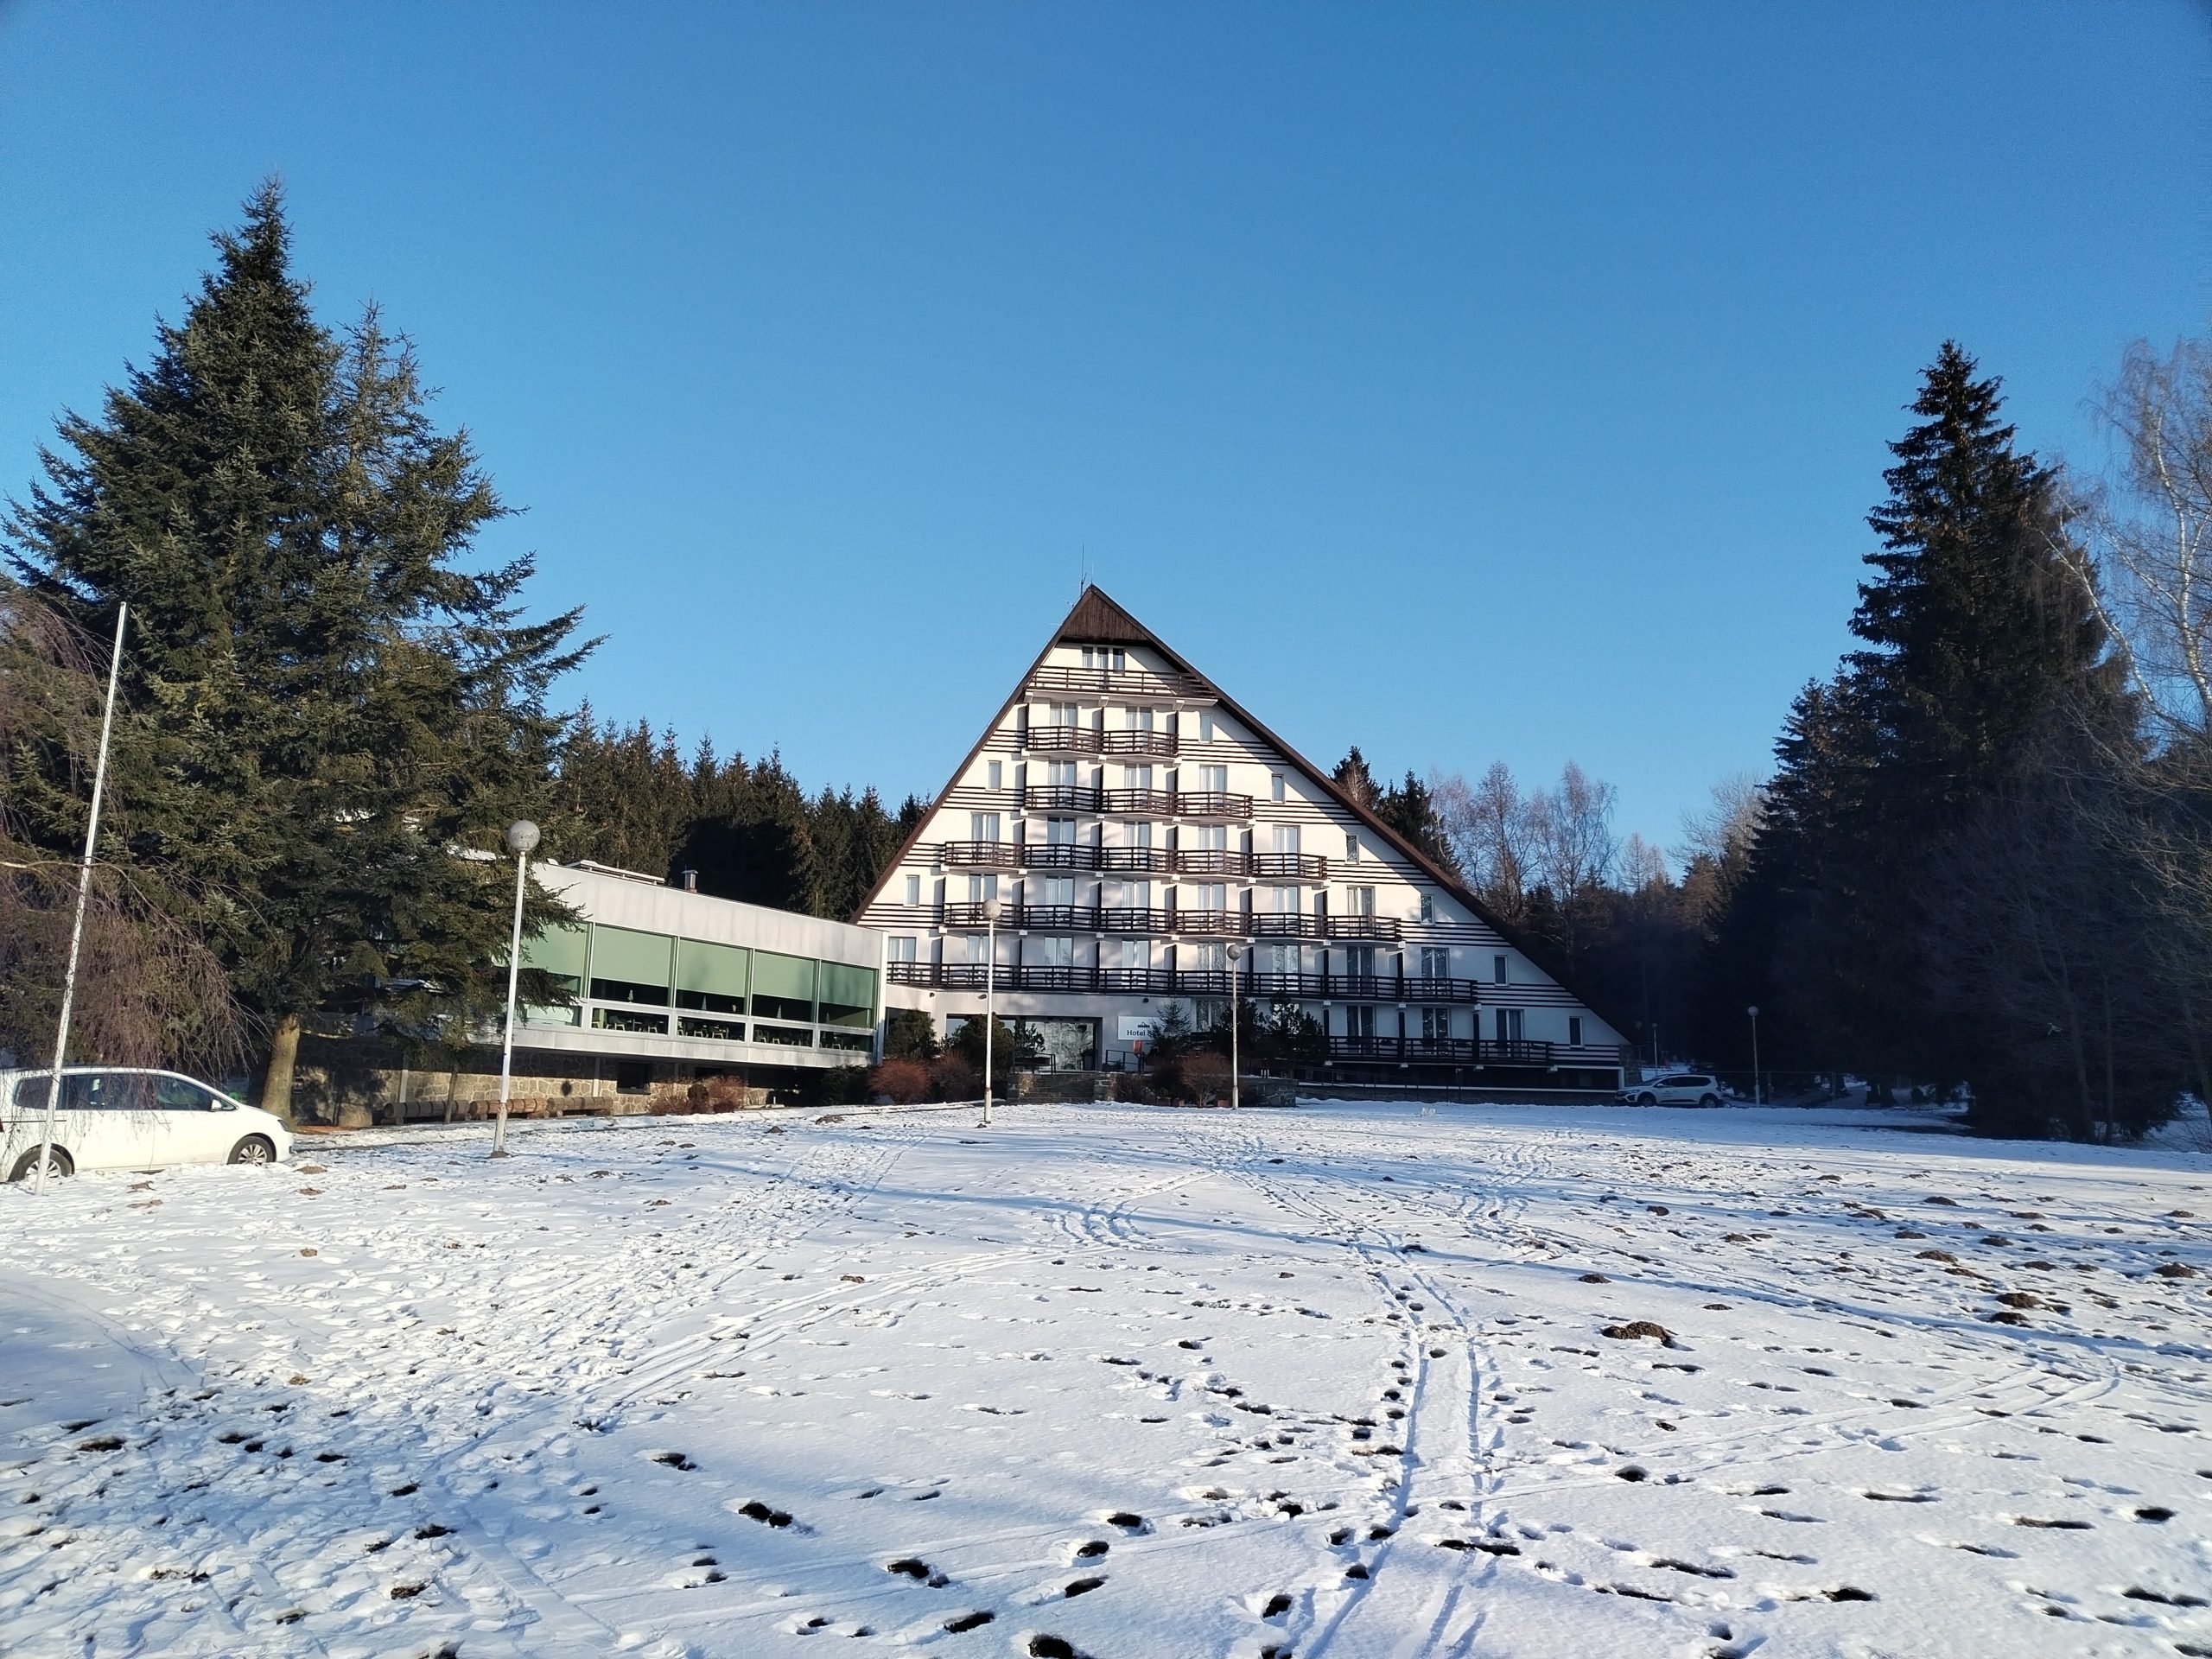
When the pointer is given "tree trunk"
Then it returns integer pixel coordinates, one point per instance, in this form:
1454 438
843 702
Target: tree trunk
283 1059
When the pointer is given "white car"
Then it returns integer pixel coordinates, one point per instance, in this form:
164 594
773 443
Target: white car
122 1117
1676 1089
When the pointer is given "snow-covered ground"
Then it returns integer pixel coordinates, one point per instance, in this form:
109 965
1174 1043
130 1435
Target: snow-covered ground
1130 1383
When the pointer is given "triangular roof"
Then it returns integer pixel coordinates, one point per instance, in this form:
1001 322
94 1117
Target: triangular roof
1098 618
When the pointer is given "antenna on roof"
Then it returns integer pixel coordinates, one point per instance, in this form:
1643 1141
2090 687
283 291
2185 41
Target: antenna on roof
1082 568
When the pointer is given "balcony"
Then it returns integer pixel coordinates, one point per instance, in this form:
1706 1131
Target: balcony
1261 867
1359 927
979 855
1210 982
1059 797
1065 740
1127 685
1058 856
1136 861
1137 921
1212 804
1162 744
1138 802
1439 1051
1209 923
1266 924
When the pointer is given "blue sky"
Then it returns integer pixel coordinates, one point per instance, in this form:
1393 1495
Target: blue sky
1468 383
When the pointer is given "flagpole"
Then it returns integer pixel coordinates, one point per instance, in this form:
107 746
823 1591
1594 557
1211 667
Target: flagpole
77 928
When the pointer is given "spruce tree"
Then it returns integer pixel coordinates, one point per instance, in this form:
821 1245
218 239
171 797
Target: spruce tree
319 703
1974 632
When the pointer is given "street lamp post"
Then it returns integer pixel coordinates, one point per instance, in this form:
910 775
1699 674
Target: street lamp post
990 1002
1758 1094
1236 954
522 841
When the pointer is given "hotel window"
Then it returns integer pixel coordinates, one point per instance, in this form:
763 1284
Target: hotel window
1277 959
1210 837
1206 732
913 889
1435 963
1508 1024
983 826
782 989
1359 1020
1359 902
1060 774
994 775
1137 720
1275 788
848 995
1279 901
1427 908
1059 832
1435 1025
1574 1031
981 887
900 949
1351 849
1114 659
1136 777
1209 896
631 967
711 978
1061 715
1059 889
1138 894
1497 969
1286 836
1213 780
1056 950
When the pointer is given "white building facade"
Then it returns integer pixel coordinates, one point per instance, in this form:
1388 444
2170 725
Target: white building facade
1142 834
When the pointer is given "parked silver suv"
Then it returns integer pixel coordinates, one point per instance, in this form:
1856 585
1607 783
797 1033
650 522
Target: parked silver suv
1674 1089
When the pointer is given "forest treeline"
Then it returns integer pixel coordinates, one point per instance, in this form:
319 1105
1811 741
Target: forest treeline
1981 862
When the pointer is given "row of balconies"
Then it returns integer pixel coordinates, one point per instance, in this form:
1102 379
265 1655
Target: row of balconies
1301 867
1135 803
1088 739
1154 923
1186 981
1120 685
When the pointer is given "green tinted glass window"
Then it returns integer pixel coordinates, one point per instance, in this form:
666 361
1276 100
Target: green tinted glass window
848 994
631 967
783 986
557 950
711 977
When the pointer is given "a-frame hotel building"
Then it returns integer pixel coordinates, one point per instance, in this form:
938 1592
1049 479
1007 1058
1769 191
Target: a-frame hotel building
1135 823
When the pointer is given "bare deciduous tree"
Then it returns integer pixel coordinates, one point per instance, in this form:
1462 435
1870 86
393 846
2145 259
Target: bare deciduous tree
149 992
1488 826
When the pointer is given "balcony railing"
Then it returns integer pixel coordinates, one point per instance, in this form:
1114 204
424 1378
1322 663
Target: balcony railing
1360 927
1139 803
1261 867
1200 982
1212 804
1267 925
980 855
1127 685
1066 740
1059 797
1439 1051
1058 856
1152 743
1136 861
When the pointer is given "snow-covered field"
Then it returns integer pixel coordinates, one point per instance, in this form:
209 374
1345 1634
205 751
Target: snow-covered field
1122 1382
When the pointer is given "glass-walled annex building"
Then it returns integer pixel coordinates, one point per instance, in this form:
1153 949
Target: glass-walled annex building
670 986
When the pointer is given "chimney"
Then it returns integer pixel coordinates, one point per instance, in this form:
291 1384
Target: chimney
690 880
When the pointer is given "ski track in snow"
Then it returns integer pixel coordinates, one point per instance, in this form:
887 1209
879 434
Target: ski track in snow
1322 1383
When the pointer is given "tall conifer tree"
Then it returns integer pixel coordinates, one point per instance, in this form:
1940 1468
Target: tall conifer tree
321 704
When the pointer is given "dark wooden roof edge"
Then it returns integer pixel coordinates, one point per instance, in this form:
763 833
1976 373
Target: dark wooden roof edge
1096 609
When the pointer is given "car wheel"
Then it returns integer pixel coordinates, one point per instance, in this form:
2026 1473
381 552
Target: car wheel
57 1163
1647 1098
1708 1100
254 1149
